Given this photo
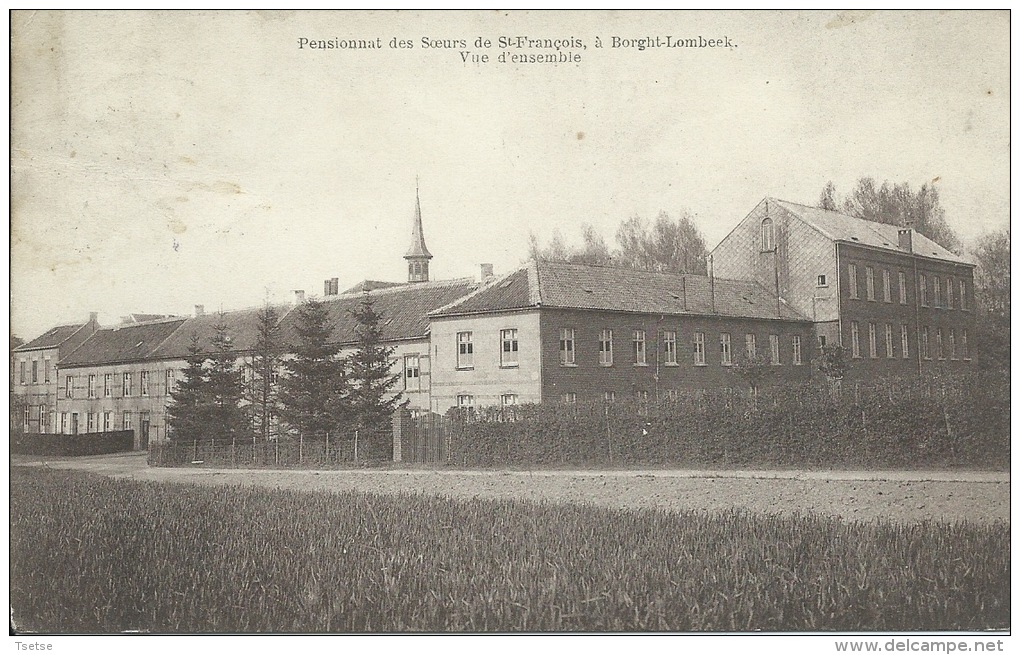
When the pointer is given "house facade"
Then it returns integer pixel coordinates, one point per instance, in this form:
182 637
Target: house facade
900 303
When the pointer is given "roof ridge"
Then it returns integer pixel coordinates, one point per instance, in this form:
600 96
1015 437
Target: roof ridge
483 287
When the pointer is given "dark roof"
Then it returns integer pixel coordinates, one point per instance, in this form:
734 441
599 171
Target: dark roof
144 318
372 285
404 310
121 344
51 339
241 328
841 227
579 286
418 248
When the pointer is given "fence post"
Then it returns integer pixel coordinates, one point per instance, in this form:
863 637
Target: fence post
195 458
301 448
355 446
212 452
233 452
326 453
277 452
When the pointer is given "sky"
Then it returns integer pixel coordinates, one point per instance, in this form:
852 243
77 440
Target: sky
166 159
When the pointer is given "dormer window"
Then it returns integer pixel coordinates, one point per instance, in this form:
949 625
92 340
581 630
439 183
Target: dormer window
768 236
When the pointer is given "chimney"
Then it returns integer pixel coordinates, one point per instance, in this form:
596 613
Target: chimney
299 296
93 317
906 236
331 287
485 273
199 310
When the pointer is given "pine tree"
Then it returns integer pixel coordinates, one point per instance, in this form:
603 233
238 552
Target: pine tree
371 379
188 407
226 419
266 364
314 389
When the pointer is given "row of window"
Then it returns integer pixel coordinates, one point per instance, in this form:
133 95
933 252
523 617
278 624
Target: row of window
941 295
955 349
127 384
70 422
507 349
31 376
466 400
669 348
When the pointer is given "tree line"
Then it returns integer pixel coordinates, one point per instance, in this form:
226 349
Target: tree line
307 388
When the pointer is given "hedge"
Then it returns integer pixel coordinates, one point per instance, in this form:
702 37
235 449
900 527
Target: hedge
959 422
373 447
91 443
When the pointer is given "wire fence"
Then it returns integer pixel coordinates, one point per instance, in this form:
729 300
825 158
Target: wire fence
357 449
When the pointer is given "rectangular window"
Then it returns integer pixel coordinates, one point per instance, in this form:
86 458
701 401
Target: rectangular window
939 352
924 343
699 348
69 387
963 345
108 385
569 397
963 295
886 286
107 421
889 341
949 293
936 286
725 352
904 341
169 381
22 377
852 274
606 348
610 396
822 281
46 370
90 422
872 341
640 355
669 347
35 371
508 351
774 349
143 382
63 422
952 344
127 389
567 347
797 361
508 399
821 340
92 385
127 420
412 373
74 423
855 339
465 350
750 346
922 288
642 395
465 400
869 279
903 288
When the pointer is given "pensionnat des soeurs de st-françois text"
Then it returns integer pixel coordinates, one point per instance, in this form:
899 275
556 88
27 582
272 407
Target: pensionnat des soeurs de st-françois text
517 49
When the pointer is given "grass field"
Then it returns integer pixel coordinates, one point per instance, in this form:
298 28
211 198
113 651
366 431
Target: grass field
89 554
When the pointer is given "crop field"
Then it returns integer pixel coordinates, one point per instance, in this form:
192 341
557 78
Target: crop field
95 555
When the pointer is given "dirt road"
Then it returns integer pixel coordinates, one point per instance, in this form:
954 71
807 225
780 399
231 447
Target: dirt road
855 495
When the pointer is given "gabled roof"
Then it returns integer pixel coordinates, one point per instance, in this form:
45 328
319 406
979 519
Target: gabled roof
581 286
841 227
404 310
372 285
53 338
241 328
121 344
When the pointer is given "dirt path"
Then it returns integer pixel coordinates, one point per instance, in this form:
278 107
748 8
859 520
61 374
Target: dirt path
857 495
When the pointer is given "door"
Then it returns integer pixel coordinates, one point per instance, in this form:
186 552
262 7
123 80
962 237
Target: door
143 431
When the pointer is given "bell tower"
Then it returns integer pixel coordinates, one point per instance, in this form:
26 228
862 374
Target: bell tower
418 255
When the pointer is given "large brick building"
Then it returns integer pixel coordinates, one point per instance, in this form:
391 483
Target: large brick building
788 276
899 302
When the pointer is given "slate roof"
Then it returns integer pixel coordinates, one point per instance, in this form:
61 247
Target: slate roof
404 310
51 339
579 286
840 227
372 285
122 343
242 329
418 248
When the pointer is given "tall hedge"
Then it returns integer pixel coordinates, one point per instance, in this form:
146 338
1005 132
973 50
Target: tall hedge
939 422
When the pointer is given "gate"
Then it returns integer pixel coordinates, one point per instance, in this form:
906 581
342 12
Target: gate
425 439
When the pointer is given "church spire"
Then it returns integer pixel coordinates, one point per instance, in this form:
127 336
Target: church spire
418 254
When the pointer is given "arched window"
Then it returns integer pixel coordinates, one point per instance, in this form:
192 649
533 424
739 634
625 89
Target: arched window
768 235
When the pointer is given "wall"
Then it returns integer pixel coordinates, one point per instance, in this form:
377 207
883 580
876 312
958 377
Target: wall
40 396
589 380
864 312
486 381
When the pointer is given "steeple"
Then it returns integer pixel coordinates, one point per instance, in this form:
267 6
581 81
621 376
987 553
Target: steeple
418 254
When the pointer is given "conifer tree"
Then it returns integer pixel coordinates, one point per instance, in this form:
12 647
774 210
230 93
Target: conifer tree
188 407
226 419
313 392
370 372
266 364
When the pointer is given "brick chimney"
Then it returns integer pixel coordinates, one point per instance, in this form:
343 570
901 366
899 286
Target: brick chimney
331 287
906 239
485 272
299 296
93 317
199 310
